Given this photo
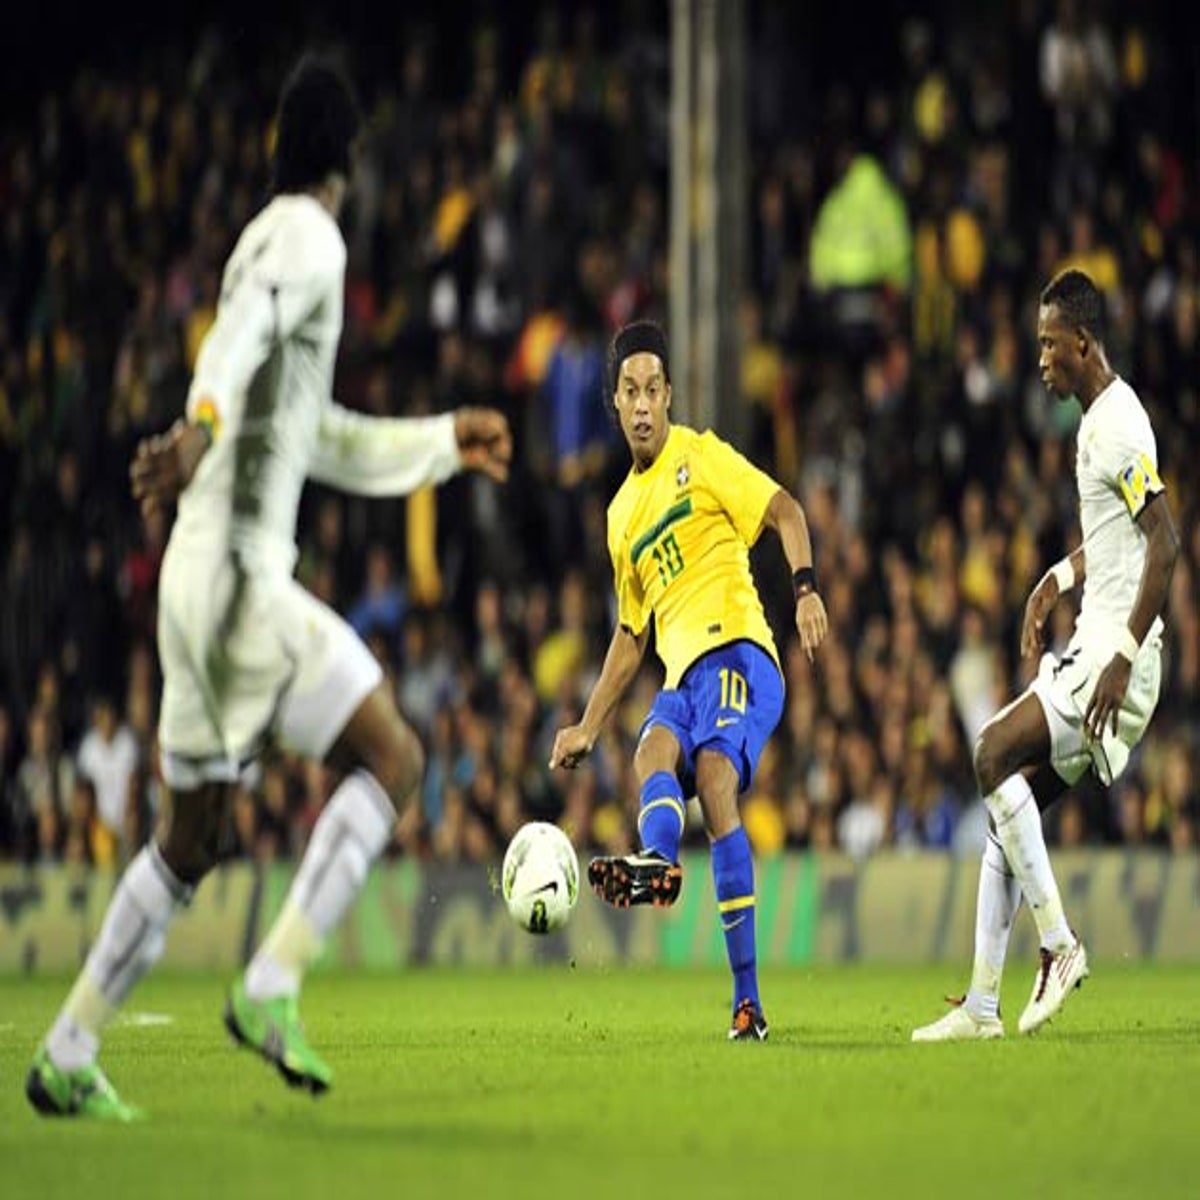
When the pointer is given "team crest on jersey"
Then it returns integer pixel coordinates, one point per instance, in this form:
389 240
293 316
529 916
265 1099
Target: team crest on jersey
682 475
1085 457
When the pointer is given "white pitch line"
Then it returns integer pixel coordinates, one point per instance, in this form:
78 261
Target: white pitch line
142 1020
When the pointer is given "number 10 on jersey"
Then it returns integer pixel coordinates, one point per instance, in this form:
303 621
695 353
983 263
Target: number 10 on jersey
668 558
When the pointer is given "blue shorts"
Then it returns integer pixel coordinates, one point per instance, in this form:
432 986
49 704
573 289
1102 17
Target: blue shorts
730 701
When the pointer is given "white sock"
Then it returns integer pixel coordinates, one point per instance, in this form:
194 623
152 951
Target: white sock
1019 830
996 906
352 832
129 943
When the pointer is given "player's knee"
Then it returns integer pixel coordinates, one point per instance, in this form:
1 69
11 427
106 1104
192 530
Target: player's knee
989 760
189 854
643 762
720 819
652 755
189 832
717 787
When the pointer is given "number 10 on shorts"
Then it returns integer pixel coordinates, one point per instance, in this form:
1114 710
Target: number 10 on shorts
733 690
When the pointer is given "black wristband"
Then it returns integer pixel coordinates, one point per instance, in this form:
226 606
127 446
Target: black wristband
804 581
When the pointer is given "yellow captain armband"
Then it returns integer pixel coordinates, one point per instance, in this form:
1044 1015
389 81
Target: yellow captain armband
206 417
1139 481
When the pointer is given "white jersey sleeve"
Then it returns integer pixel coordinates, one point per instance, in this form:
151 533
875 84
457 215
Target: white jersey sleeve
263 380
279 274
381 456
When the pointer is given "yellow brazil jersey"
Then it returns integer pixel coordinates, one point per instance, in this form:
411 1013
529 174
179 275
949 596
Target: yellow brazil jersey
679 534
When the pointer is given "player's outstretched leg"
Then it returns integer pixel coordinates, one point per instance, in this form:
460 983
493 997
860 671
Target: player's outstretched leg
653 875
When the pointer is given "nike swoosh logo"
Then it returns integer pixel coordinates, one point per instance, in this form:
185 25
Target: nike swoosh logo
728 925
552 886
723 721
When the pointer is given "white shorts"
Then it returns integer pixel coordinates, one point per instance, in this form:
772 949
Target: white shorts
1065 686
247 659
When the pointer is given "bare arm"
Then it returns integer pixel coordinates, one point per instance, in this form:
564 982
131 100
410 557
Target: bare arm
1045 595
1157 522
1078 564
786 517
164 465
625 651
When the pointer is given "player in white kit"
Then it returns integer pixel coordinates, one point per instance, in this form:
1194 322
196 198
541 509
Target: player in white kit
1089 708
248 656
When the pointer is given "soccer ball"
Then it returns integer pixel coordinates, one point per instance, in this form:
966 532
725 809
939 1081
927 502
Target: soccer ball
540 877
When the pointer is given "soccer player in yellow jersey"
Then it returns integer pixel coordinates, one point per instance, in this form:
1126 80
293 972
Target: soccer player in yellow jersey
679 533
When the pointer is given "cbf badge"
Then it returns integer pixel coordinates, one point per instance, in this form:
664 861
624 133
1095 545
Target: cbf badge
682 476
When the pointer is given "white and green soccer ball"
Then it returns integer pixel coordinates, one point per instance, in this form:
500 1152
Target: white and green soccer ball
540 877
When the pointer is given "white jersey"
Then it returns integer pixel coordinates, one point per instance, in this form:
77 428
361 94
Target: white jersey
247 653
264 381
1116 467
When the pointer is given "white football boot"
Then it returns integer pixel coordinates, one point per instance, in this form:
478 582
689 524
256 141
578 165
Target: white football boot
1057 976
958 1025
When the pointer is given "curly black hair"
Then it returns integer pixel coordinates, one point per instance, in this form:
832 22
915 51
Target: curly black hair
635 338
317 123
1080 302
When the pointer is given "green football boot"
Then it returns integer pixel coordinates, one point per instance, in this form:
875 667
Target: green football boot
83 1093
273 1029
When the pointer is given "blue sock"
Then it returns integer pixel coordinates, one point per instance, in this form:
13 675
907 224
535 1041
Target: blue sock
660 822
733 874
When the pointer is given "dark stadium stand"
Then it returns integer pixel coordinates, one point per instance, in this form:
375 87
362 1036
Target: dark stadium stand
514 183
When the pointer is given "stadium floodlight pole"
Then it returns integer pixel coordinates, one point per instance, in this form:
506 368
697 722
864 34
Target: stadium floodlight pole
708 210
730 189
707 227
681 307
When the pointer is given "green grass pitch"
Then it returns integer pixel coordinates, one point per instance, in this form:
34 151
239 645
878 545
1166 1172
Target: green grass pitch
558 1082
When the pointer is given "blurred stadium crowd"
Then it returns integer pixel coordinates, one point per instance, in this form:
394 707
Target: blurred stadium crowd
509 214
